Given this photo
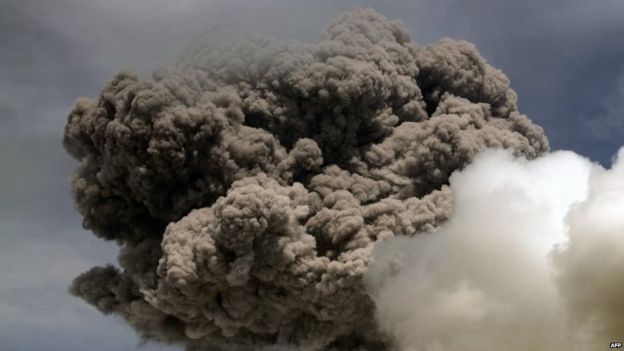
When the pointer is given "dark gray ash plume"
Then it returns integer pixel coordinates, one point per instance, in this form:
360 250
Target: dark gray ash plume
247 186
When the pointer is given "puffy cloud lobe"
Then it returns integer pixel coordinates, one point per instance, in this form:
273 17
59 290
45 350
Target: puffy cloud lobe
530 259
590 265
248 185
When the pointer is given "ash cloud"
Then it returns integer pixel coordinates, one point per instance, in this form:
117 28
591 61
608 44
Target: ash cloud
248 185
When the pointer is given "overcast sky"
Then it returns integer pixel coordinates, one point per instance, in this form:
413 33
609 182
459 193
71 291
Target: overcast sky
565 59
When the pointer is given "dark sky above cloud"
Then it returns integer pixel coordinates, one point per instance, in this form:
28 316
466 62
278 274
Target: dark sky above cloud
564 59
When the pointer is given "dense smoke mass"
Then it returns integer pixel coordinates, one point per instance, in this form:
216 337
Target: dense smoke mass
532 258
248 185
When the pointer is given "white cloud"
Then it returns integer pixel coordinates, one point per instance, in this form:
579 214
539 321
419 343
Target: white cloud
531 259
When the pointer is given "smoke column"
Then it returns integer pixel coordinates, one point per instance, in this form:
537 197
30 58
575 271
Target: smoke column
532 258
247 186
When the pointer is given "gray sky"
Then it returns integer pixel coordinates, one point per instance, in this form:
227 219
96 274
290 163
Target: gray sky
565 60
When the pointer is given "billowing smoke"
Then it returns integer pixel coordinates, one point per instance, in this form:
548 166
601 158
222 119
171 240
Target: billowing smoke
531 259
247 185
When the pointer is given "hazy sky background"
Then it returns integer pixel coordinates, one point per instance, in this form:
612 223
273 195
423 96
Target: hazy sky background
565 60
